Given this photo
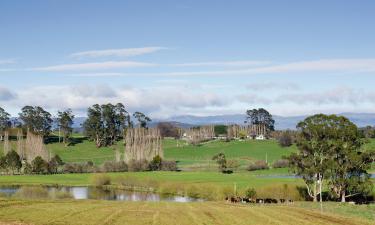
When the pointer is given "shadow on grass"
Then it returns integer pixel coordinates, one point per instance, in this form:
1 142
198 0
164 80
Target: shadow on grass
73 140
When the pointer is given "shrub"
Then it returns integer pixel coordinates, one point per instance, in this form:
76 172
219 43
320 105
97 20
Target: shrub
89 167
258 165
169 166
250 193
233 164
13 161
58 160
39 165
73 168
27 168
155 164
280 163
100 180
3 163
135 166
285 139
111 166
53 166
221 161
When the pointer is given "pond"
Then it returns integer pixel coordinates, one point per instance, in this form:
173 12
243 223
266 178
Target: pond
27 192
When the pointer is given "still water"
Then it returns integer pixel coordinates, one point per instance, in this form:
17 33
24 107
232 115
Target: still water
88 193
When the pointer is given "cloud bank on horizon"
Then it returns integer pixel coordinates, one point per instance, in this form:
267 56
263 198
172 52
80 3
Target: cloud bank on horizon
312 65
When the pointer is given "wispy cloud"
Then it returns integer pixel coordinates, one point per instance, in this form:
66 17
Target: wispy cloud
124 52
325 65
242 63
93 66
7 61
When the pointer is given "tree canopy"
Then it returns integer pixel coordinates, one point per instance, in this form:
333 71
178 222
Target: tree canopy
4 119
65 123
36 119
330 147
260 117
105 123
142 119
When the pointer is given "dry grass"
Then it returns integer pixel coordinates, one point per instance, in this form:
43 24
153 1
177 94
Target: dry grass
105 212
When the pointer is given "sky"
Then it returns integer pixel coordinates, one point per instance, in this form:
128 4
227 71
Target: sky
169 58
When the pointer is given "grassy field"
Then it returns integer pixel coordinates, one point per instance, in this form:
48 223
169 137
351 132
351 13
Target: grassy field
188 157
241 180
107 212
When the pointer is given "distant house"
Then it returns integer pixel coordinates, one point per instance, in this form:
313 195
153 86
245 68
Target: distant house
260 137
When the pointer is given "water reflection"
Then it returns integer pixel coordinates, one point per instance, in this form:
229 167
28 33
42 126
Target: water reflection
94 193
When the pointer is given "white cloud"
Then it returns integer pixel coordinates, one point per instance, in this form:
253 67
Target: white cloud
326 65
125 52
168 100
93 66
335 96
181 99
223 63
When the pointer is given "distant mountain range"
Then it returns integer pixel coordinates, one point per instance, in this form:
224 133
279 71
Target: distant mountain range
281 122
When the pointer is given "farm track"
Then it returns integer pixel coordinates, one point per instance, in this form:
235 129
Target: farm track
103 212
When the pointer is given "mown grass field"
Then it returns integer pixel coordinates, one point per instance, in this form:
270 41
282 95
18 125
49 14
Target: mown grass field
106 212
241 180
189 157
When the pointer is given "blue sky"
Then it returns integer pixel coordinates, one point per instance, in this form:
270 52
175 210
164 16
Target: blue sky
189 57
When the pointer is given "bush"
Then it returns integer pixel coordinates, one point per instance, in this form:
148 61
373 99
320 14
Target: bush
233 164
258 165
27 168
111 166
39 165
280 163
221 161
73 168
169 166
100 180
58 160
155 164
13 161
286 139
250 193
136 166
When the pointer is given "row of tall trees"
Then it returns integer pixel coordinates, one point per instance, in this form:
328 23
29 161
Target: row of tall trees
38 121
105 123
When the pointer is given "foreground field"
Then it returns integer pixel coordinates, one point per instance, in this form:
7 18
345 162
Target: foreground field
106 212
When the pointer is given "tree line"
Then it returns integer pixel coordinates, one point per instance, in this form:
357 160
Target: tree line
105 124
